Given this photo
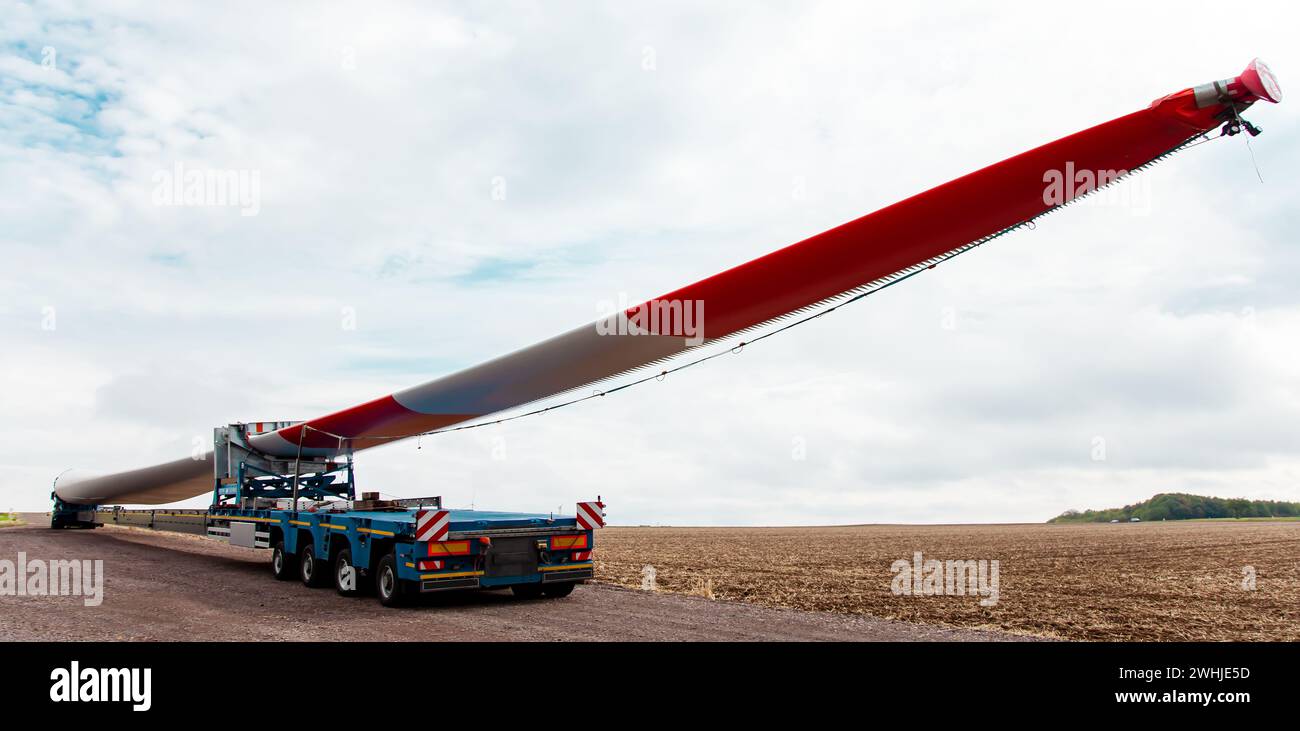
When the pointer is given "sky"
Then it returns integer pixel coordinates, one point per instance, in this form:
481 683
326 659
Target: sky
430 185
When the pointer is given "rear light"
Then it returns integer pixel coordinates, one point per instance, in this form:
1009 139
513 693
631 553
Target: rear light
582 555
568 543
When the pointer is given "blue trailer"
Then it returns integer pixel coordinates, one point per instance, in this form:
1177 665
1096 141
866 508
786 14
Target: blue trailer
358 551
320 533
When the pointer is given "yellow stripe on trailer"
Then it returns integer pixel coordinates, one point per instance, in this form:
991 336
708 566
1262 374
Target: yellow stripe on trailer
567 566
450 576
376 531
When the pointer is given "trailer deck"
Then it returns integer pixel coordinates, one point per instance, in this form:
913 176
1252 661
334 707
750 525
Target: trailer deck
533 553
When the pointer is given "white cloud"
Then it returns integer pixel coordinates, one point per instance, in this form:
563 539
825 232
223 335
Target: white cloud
379 131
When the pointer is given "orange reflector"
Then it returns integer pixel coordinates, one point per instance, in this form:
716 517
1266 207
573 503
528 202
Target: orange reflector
568 543
448 548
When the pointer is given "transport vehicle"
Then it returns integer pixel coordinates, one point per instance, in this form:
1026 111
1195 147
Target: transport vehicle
319 533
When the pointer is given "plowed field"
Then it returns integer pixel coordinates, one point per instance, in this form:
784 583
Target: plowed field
1148 581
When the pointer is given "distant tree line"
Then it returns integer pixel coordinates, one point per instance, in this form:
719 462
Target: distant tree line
1180 506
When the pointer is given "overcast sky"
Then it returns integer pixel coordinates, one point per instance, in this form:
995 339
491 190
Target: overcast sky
458 181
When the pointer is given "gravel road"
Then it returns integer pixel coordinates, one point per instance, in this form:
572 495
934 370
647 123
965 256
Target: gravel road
166 586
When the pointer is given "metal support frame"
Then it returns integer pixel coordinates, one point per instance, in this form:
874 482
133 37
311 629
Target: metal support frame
242 475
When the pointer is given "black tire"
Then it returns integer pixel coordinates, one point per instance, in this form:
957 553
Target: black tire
311 569
391 590
347 577
282 563
527 591
559 591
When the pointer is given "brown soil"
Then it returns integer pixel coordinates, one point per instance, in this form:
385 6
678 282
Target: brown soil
1141 581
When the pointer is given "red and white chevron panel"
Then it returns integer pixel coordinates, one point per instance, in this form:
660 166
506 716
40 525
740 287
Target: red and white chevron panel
432 564
591 515
432 525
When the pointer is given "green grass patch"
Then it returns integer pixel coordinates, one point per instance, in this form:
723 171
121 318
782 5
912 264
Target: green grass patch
1283 518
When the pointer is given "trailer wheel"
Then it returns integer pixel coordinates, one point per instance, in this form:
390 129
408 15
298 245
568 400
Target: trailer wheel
347 577
527 591
389 588
558 591
310 569
281 563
